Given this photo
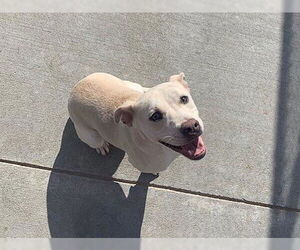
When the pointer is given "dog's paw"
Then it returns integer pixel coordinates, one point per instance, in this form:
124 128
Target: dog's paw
104 150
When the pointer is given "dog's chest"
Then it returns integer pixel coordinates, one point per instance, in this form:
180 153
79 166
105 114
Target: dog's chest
149 157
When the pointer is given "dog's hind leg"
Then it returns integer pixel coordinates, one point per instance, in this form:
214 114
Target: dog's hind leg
104 149
92 138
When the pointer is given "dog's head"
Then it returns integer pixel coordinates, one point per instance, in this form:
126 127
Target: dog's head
167 114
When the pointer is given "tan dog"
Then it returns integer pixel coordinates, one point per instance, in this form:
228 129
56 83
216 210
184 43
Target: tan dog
152 125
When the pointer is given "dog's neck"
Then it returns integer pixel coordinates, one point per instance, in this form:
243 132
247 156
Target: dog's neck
148 153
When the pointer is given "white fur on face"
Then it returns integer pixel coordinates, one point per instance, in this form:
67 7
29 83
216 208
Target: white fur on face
165 98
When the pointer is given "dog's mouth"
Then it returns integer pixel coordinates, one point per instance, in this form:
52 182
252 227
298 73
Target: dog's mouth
194 150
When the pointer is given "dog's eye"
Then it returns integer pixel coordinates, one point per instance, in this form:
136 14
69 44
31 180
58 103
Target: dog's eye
184 99
156 116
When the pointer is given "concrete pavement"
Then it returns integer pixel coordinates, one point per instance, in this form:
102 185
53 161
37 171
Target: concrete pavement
72 206
242 69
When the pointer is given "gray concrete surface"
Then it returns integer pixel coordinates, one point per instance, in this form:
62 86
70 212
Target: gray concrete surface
85 207
242 69
269 6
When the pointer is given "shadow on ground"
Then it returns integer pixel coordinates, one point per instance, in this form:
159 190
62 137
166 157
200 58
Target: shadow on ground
84 207
286 172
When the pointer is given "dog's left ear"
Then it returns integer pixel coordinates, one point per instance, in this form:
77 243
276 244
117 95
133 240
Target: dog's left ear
125 114
179 78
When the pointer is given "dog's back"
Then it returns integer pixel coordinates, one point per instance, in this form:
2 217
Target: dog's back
98 94
92 104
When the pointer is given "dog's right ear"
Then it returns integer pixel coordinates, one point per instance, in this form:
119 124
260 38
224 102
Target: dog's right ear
125 114
179 78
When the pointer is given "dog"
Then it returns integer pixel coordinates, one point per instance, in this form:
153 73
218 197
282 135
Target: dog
152 125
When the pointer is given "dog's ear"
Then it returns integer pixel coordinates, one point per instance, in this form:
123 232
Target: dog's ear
124 113
179 78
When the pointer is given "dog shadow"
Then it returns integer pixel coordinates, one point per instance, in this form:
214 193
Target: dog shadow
81 206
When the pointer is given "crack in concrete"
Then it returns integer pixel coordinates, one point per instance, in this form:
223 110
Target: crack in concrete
152 185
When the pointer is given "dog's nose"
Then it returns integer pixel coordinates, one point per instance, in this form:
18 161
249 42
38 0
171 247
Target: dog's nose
191 128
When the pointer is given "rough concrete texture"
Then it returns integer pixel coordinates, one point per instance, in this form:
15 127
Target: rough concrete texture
242 69
150 6
73 206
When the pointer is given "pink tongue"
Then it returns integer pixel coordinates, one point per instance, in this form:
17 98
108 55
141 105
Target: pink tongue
196 147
